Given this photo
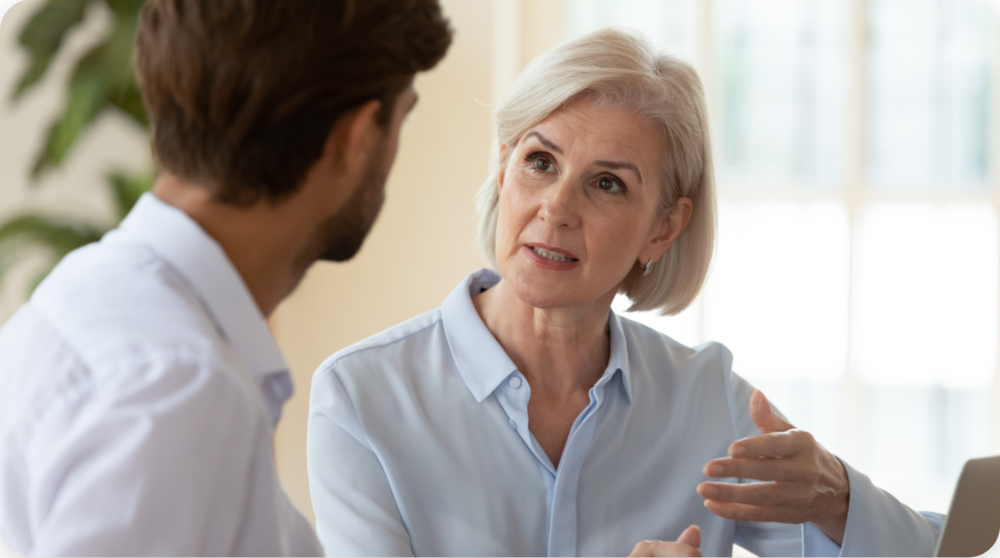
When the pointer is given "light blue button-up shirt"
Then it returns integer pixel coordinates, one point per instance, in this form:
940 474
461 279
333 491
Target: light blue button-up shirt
419 443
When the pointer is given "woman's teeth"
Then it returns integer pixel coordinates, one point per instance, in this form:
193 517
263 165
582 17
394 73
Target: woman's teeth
551 255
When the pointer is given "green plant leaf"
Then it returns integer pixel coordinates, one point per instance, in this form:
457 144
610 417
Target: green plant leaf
129 100
102 79
57 236
123 91
102 72
126 8
87 96
128 188
43 36
61 235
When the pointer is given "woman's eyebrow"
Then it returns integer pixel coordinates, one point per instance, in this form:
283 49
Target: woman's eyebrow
615 165
544 141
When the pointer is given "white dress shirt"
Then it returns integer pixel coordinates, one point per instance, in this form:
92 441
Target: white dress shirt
139 391
419 443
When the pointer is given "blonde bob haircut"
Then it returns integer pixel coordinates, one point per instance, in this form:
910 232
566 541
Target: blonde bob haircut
619 68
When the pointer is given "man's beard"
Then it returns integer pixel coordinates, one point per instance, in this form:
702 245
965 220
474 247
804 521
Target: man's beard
340 237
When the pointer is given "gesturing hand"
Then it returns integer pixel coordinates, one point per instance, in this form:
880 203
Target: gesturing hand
805 482
687 545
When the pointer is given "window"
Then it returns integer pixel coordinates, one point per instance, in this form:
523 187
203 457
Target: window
856 277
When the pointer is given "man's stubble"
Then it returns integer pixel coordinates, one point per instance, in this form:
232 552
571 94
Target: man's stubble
340 237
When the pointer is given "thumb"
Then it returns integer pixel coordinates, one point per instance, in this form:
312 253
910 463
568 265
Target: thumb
764 417
691 536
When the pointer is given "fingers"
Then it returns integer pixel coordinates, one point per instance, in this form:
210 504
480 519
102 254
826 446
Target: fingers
687 545
745 512
663 548
691 536
777 444
753 469
755 493
764 417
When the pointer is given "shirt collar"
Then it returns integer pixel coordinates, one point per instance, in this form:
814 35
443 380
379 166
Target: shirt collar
482 362
619 354
178 239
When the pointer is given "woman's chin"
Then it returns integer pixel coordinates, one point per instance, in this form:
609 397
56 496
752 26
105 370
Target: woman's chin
545 292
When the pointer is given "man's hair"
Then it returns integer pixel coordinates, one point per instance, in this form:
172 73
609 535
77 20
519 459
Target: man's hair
242 94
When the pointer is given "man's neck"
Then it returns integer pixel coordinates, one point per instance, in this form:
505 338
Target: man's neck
263 241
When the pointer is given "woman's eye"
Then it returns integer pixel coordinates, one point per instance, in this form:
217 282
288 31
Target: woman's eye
542 164
609 184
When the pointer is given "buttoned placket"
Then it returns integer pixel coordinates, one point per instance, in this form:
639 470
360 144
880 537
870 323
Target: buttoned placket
561 484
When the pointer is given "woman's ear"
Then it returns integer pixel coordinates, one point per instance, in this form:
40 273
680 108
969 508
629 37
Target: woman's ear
668 229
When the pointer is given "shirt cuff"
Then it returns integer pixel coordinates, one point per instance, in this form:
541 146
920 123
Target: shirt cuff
816 543
877 525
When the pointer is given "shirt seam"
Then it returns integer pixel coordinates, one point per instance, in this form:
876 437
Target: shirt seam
118 364
730 396
328 366
368 445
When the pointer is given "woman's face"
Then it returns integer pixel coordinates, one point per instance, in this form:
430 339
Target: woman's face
579 206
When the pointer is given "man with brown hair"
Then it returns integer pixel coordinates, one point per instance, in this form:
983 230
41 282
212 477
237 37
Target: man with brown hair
140 387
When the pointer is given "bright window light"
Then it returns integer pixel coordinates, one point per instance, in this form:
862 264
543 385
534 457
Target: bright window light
778 294
925 301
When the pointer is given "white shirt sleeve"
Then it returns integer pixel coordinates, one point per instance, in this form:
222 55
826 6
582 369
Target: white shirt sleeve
356 513
133 466
877 523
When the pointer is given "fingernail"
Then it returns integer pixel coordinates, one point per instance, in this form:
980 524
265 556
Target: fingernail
738 451
705 503
709 491
695 527
714 469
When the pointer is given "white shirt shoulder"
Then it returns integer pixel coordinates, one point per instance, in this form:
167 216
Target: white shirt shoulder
129 424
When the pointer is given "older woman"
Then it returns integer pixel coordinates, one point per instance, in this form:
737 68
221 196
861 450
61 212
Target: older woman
524 417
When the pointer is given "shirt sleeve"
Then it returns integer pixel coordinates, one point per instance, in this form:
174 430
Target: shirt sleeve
877 523
356 513
144 461
880 525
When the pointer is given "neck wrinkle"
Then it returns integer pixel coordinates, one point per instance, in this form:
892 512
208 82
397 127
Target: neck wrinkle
561 352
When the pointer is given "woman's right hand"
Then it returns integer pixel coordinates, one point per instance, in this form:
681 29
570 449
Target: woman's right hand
687 545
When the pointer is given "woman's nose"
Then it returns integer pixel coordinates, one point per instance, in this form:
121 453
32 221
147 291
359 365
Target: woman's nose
559 205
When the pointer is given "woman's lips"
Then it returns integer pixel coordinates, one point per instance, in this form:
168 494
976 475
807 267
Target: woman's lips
553 249
547 258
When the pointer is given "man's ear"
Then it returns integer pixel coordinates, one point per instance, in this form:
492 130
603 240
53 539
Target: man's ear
353 139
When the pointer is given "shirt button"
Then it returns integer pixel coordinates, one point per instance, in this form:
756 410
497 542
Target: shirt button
515 382
513 424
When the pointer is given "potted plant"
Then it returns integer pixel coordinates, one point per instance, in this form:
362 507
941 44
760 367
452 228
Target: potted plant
102 80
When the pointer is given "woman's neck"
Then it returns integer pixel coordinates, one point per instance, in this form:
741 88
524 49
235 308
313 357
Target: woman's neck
560 351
